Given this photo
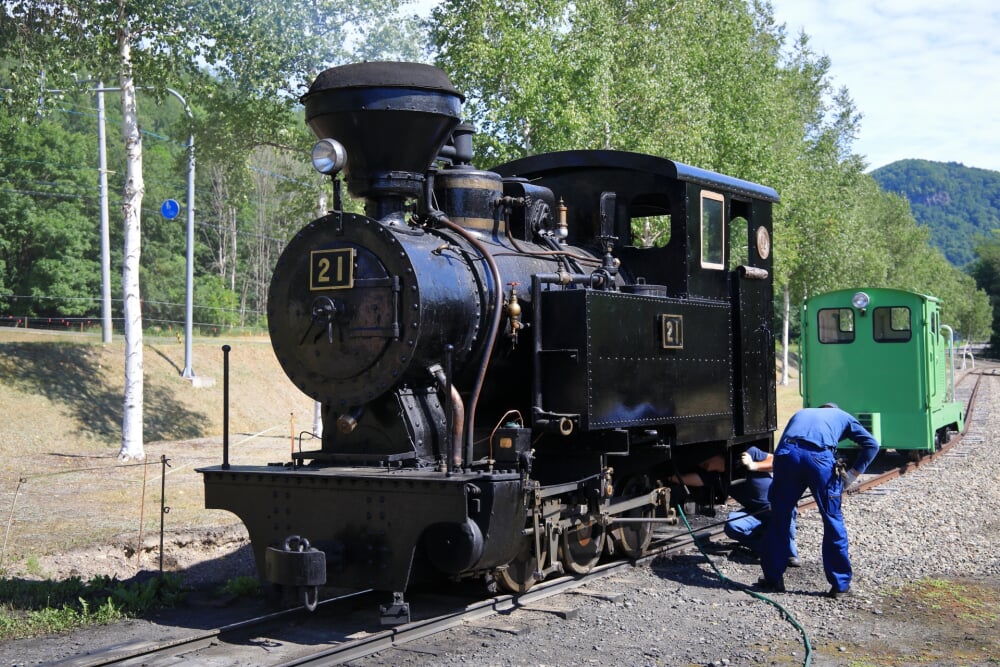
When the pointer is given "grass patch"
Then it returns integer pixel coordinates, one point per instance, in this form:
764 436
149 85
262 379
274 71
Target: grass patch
242 587
969 602
34 608
957 621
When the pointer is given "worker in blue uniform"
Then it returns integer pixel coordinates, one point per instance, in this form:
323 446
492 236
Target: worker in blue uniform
748 525
806 458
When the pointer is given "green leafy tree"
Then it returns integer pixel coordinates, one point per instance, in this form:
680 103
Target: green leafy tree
986 272
263 48
47 213
713 83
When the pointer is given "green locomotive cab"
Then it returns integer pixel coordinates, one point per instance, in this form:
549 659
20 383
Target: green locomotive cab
884 356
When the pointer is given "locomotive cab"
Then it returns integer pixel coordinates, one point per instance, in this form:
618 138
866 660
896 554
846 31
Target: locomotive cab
699 294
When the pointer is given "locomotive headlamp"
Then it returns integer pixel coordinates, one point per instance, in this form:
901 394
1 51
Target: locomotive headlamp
860 301
329 156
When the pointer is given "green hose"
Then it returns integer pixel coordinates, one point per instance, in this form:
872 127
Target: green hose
746 589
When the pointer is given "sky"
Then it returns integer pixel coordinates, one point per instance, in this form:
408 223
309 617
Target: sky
924 74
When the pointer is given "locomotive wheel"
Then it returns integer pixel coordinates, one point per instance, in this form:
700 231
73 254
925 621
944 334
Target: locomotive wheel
581 545
633 538
522 572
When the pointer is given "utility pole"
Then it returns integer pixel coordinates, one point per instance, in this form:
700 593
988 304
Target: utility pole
188 371
102 159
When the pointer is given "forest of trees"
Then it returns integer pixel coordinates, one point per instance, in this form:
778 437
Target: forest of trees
713 83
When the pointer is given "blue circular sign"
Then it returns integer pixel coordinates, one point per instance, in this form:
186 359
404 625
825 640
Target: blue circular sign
170 209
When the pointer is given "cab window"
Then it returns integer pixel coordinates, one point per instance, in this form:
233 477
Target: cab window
739 248
712 230
891 324
649 217
836 325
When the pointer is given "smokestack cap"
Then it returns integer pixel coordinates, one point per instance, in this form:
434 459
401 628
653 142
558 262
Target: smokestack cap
393 118
384 74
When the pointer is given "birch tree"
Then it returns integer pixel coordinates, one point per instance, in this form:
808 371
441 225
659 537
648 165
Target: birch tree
265 49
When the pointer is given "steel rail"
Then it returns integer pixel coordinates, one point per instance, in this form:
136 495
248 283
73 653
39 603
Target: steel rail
125 654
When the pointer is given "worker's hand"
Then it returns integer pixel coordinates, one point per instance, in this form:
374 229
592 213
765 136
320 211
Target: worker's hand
748 461
849 477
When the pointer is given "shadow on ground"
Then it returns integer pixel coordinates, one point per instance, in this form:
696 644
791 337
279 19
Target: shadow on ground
72 376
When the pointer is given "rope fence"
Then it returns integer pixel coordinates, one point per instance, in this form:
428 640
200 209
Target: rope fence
120 513
115 504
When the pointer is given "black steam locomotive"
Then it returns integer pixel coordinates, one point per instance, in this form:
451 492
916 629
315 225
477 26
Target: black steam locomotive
507 371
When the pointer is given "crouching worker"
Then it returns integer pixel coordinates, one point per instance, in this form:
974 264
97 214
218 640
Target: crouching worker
806 458
706 482
748 525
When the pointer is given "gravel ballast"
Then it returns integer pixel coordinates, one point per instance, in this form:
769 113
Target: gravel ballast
926 589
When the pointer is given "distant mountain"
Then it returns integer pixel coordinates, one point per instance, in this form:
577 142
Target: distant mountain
958 204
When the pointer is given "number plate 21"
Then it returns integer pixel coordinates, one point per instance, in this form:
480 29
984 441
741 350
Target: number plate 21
331 269
672 331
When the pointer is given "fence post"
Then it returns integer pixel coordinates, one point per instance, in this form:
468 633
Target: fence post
10 519
164 509
225 406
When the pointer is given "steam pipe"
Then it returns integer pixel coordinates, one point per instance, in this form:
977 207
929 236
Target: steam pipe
491 336
454 409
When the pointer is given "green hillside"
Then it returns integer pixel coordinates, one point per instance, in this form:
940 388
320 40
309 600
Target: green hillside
958 204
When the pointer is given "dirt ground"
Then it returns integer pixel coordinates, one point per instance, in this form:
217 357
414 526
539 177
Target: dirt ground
69 507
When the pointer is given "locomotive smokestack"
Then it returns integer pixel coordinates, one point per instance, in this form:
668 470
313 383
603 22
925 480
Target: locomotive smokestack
392 118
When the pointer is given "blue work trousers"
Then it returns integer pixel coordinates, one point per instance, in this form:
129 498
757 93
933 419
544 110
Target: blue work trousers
798 466
750 530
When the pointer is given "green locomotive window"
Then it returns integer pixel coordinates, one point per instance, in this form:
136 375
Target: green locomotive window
712 230
891 324
836 325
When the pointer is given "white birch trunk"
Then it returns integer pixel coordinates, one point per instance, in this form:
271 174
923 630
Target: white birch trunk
785 308
132 444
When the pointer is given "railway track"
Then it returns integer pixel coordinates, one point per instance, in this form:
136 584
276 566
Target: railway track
346 627
965 392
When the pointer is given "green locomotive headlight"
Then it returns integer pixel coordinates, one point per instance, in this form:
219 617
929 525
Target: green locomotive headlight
860 301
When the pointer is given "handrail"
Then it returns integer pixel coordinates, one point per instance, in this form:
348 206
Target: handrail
951 348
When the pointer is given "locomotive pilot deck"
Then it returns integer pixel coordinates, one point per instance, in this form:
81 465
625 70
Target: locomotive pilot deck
374 516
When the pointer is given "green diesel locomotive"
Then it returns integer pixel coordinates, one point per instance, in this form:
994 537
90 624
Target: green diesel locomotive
884 356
